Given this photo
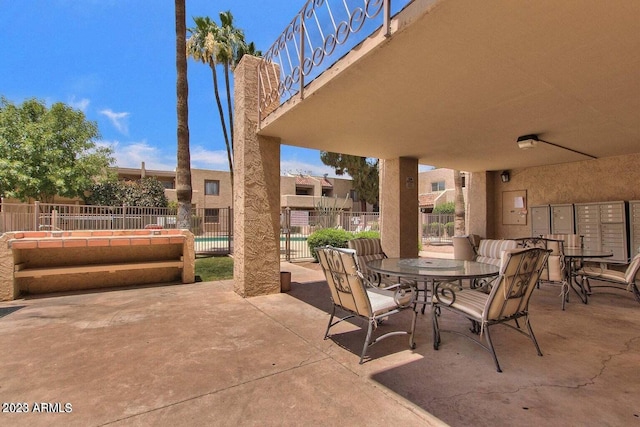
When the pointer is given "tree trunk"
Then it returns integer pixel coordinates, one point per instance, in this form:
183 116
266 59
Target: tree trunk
223 122
183 170
459 218
229 104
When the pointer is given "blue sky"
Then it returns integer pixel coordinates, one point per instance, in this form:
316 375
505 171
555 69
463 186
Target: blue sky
115 60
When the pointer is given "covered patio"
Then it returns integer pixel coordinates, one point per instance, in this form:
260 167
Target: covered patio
453 84
201 355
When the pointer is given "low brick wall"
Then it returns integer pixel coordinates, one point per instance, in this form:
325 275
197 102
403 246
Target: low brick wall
54 261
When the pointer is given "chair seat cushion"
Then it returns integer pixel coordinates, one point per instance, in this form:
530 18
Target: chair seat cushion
469 301
383 300
603 273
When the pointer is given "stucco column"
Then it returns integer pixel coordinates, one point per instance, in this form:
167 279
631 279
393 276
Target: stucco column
399 206
256 201
478 206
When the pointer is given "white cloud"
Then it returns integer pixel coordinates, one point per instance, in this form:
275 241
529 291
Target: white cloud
295 166
119 120
201 158
79 104
132 154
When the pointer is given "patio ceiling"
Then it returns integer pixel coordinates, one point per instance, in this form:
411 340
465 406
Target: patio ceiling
460 80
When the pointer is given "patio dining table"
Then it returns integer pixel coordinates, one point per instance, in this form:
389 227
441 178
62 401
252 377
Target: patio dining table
432 270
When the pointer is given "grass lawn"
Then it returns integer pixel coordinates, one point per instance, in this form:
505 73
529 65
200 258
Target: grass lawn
214 268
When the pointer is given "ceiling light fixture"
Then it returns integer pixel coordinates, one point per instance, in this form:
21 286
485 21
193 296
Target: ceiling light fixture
527 141
530 141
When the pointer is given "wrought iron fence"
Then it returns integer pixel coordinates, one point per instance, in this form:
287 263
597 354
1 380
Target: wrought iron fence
322 29
437 228
297 226
213 228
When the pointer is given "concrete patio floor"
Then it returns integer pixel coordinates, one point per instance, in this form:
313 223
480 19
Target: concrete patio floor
201 355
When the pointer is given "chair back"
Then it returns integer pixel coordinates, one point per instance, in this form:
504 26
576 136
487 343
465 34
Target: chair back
366 249
491 251
632 270
570 240
347 288
554 270
510 294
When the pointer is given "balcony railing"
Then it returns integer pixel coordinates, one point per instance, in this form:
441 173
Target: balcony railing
322 29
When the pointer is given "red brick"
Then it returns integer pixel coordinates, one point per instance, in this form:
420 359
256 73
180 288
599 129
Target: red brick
140 242
120 242
176 239
81 234
74 243
35 234
97 242
25 244
102 233
160 241
50 244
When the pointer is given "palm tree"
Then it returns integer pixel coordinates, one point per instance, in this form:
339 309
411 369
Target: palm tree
183 170
231 40
214 44
203 45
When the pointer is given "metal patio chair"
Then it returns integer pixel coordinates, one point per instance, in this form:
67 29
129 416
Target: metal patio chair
556 269
612 278
350 293
508 299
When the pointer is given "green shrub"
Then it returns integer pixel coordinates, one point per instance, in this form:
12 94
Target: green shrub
450 228
445 208
328 236
367 235
435 228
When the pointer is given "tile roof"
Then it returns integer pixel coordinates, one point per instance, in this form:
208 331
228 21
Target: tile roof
427 199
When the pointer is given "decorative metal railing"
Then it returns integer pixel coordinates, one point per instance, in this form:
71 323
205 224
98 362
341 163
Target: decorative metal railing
323 28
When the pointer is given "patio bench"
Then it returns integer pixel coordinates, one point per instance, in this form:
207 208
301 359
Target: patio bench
491 251
53 261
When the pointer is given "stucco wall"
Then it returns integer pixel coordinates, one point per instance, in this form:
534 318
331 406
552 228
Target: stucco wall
600 180
223 200
435 175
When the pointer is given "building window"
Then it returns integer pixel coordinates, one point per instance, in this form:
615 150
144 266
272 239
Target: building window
304 191
353 195
464 180
437 186
212 215
212 188
168 185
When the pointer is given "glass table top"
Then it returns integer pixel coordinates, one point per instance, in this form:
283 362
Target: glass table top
432 268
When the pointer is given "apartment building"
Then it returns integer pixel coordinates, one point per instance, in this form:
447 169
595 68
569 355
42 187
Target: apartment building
436 186
212 189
